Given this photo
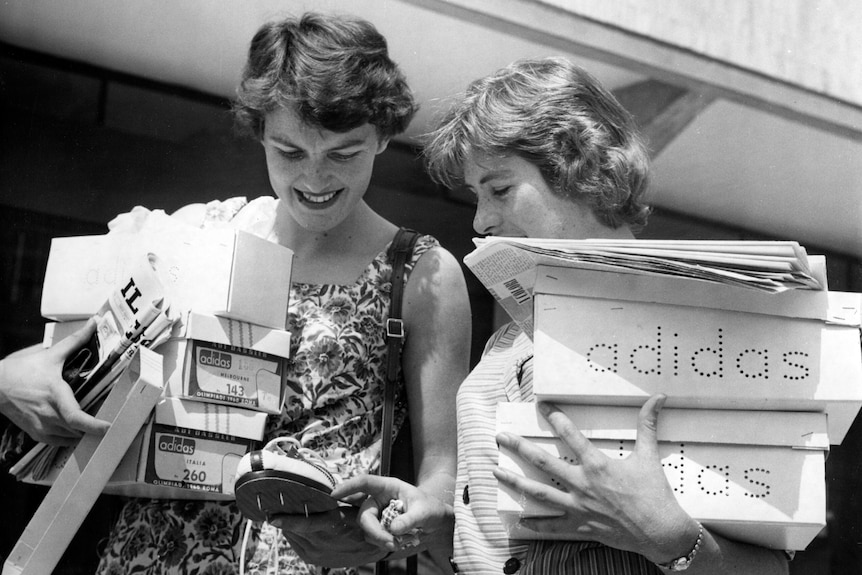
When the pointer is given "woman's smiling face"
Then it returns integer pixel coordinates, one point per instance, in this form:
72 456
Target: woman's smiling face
513 199
320 176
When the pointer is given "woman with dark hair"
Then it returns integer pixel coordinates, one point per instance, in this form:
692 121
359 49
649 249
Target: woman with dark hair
549 153
323 97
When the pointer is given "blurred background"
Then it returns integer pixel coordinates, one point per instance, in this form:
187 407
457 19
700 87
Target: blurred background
752 109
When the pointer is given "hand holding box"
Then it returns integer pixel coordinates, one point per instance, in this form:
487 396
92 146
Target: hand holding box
751 476
82 478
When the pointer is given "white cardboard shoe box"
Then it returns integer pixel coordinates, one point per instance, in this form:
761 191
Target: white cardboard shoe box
755 476
226 361
217 360
215 270
188 450
185 450
616 339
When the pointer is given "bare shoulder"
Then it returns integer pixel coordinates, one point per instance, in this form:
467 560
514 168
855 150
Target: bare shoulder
437 291
437 268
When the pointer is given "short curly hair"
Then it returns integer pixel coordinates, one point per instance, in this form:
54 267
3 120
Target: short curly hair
334 71
558 117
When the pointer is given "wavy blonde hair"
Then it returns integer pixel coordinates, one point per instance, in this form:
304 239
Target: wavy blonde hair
557 116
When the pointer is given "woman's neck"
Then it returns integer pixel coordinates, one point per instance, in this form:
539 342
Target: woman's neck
304 241
337 255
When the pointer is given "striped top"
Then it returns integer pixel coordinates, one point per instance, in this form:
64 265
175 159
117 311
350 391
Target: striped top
482 545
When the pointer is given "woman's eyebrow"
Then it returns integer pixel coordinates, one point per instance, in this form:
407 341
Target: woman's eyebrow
284 141
348 144
492 175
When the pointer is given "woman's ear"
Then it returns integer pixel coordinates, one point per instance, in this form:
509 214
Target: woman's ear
381 145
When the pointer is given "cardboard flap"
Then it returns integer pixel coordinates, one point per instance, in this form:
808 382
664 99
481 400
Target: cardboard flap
256 257
841 308
211 417
218 270
84 475
217 329
802 430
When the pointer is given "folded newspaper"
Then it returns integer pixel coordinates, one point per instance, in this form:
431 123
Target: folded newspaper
135 314
507 266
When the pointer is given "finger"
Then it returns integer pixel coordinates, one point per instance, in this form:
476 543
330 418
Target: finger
55 439
75 340
82 421
568 432
351 487
355 499
375 534
414 515
381 488
51 430
538 491
535 455
75 418
647 434
554 525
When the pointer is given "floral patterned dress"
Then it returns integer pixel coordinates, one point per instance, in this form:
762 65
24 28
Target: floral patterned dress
335 377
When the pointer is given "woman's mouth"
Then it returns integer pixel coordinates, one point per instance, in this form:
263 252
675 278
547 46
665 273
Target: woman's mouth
316 200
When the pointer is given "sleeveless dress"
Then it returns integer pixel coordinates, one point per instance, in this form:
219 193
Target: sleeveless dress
336 376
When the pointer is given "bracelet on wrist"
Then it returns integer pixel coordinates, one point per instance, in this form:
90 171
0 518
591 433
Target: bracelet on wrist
684 562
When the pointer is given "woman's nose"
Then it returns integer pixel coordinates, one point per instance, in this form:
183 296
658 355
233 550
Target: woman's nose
315 179
485 221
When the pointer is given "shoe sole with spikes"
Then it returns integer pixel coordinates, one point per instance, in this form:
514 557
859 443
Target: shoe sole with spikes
270 484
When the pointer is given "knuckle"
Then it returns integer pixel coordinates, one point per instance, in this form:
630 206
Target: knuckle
540 495
599 465
542 461
568 431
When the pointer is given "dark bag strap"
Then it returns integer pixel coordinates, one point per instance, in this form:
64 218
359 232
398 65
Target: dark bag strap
399 252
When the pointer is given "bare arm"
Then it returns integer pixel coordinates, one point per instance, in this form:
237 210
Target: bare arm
628 504
436 360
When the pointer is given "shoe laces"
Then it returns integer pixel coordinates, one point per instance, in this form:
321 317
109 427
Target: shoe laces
291 447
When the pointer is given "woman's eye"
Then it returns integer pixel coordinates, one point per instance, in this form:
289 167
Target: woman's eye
290 154
501 191
344 157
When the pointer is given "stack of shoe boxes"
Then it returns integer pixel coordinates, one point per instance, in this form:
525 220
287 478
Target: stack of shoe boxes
224 364
758 384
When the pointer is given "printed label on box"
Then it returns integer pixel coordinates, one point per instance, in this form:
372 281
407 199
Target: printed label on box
194 459
231 374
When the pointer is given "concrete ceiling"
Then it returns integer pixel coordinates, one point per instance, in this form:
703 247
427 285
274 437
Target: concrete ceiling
732 163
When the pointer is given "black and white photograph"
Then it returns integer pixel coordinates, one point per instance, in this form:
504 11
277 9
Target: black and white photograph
429 287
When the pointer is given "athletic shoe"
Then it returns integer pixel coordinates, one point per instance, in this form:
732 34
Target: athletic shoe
283 478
